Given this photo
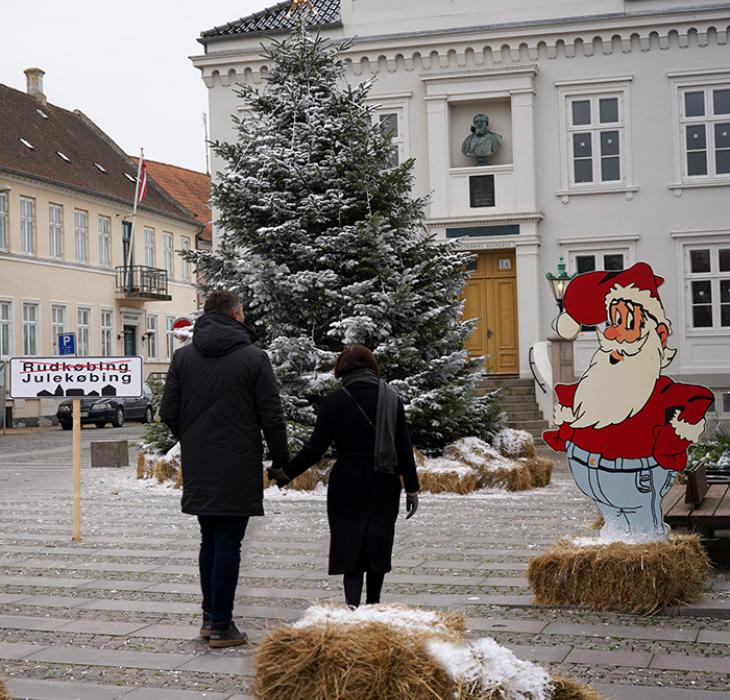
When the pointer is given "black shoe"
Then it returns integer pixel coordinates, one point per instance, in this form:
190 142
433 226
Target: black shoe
227 637
207 625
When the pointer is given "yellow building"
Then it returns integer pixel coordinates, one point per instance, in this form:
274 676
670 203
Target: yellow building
66 198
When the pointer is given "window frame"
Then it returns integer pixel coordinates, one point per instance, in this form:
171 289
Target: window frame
170 338
4 218
83 329
398 103
8 322
168 254
184 263
149 246
152 339
36 324
81 236
28 226
714 276
105 240
55 227
106 331
54 325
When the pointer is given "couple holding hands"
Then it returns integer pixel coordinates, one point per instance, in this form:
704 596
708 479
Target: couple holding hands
220 396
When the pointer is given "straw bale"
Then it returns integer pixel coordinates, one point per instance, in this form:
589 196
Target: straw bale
541 469
313 477
515 443
598 523
568 689
179 479
419 457
164 470
459 479
140 465
516 478
641 578
4 694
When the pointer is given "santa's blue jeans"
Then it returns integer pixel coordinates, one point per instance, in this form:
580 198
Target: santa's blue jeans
628 492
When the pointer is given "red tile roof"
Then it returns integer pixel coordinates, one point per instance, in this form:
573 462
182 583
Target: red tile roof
52 131
189 187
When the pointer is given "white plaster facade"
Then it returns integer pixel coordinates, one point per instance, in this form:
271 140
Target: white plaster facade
524 62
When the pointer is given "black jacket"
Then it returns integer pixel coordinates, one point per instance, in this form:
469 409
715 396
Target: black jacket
219 395
362 504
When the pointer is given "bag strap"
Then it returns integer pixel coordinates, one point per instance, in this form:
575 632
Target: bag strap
360 408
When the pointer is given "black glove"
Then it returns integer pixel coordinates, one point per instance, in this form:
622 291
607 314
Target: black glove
411 504
278 475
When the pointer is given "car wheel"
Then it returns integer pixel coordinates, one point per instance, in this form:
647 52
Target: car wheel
118 421
66 426
148 415
100 424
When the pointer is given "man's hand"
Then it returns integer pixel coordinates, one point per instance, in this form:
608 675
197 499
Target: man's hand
562 414
278 475
411 504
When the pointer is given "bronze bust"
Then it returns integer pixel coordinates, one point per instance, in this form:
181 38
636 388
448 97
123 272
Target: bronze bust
482 143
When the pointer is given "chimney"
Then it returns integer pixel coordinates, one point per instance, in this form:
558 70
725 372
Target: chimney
34 81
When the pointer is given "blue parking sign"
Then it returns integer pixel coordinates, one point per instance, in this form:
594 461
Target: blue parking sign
67 344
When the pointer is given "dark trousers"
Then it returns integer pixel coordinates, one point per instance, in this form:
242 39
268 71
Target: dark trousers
353 581
219 561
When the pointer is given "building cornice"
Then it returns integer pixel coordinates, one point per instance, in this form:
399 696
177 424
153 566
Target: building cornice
480 219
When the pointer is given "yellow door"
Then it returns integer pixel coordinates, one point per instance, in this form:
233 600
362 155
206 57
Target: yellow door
491 295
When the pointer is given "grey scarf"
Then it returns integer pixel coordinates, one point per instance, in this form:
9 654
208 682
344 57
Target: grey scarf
385 458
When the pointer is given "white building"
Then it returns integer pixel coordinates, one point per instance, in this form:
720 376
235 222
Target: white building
615 116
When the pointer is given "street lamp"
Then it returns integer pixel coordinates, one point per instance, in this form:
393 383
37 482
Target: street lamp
558 282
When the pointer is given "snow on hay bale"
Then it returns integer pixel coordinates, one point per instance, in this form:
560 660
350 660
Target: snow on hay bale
161 467
514 443
638 577
391 653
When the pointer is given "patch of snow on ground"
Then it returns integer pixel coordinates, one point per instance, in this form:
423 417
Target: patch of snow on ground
409 619
274 493
489 664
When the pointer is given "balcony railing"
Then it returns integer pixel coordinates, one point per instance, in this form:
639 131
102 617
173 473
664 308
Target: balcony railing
140 282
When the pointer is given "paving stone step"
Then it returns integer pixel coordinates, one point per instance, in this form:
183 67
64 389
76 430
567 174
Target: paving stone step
529 425
508 382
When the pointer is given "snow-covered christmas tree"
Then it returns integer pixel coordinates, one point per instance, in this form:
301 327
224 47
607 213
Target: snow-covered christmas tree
326 246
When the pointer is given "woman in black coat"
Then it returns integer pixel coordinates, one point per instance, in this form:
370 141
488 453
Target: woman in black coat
366 421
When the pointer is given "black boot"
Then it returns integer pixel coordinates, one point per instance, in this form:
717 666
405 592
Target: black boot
226 635
207 625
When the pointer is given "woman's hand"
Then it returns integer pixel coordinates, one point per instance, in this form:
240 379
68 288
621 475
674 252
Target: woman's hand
278 475
411 504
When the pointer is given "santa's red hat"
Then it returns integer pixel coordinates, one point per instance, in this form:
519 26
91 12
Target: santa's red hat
588 297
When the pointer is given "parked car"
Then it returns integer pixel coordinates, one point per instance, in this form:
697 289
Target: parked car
109 409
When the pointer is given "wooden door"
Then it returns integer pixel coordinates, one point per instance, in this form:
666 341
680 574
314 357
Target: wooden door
491 295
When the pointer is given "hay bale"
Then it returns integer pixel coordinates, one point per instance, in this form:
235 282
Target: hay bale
313 477
165 470
419 457
339 654
598 523
568 689
141 465
640 578
447 476
4 694
493 469
514 443
541 469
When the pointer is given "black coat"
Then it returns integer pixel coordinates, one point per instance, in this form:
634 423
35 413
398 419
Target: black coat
362 504
220 394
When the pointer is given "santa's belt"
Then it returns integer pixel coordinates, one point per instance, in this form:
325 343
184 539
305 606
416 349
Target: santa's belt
593 460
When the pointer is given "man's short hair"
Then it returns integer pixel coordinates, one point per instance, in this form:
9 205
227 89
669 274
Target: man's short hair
222 301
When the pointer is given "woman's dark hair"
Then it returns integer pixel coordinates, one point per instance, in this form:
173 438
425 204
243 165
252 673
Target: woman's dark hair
223 301
355 357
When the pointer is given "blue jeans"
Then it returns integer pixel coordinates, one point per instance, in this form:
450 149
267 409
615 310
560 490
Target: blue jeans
219 561
628 493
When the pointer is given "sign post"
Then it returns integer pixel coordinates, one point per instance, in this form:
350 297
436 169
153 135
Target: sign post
75 378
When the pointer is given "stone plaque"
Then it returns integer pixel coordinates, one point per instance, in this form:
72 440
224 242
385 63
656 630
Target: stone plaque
481 191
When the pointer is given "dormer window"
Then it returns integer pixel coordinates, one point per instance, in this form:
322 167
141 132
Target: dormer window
63 156
27 144
42 113
100 167
129 177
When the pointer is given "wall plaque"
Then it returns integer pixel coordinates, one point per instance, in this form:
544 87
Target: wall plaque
481 191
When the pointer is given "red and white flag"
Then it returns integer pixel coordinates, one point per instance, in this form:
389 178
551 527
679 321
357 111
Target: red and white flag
141 180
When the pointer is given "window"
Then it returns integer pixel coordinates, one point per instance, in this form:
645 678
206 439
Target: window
30 328
707 287
151 337
107 332
58 324
149 247
595 139
590 260
390 122
184 262
55 230
725 402
3 221
27 225
6 329
83 330
168 254
81 235
105 245
705 131
169 337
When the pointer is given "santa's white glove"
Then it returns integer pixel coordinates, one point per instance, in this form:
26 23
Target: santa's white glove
562 414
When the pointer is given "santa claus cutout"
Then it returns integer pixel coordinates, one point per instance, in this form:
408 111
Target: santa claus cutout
625 427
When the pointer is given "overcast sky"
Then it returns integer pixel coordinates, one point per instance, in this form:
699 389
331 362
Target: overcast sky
122 62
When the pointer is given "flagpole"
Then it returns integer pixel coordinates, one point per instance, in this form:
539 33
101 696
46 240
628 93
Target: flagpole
130 249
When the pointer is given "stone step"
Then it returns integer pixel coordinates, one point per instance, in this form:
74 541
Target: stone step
496 382
517 402
528 425
511 391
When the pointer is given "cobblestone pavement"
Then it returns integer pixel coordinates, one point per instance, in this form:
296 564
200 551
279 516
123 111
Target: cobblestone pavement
116 615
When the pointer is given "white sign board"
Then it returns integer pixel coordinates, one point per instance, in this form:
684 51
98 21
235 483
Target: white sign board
76 377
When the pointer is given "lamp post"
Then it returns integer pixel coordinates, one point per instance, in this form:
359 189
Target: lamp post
558 282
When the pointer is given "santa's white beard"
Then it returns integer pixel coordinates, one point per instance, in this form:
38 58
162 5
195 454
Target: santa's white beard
607 393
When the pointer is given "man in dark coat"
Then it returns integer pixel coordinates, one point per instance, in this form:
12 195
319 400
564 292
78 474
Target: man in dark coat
219 395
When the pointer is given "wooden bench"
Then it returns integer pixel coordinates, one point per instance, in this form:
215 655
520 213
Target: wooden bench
712 513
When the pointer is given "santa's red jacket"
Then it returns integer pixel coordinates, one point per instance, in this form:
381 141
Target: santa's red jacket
670 421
